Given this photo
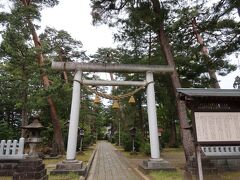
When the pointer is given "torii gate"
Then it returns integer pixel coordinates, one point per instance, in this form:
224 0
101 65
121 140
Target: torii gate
130 68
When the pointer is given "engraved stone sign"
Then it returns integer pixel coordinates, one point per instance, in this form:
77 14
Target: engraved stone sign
217 126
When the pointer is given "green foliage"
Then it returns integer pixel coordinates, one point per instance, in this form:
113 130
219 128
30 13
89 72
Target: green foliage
7 132
87 141
60 46
106 55
47 133
72 176
166 175
217 25
145 148
139 44
19 67
219 30
20 70
127 141
138 24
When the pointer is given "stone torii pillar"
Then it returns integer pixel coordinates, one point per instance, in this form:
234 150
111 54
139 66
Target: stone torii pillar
152 117
74 118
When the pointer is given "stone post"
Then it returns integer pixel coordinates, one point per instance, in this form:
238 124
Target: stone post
74 118
152 117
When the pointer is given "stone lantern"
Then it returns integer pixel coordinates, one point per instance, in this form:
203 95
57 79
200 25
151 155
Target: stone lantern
33 138
32 167
133 131
81 134
133 134
160 131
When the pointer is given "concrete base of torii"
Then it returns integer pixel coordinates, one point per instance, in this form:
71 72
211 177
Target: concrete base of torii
155 165
67 167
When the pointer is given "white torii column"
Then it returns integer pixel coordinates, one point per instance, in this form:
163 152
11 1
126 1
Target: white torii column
74 118
152 117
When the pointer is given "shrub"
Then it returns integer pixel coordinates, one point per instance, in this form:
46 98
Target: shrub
88 139
145 148
6 132
127 141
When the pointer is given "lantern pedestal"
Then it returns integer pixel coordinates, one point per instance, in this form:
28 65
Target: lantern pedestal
70 166
155 165
133 134
30 168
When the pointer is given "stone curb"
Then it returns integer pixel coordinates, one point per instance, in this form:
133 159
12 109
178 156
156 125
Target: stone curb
89 164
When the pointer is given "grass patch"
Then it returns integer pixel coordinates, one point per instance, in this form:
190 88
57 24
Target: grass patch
167 175
138 155
231 175
5 177
53 161
85 156
50 164
180 149
70 176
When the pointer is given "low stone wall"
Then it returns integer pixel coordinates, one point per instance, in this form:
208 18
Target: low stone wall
226 164
25 169
8 167
214 165
30 169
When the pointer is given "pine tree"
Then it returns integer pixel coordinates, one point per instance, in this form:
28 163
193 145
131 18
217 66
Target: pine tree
23 15
153 14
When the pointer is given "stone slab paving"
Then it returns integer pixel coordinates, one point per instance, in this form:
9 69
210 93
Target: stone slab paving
108 165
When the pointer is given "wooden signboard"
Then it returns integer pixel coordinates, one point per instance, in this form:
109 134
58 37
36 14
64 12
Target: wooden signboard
216 118
217 127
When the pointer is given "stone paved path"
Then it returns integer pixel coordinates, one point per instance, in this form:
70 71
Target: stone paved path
108 165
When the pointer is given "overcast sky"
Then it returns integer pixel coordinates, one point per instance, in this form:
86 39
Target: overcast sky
226 82
74 17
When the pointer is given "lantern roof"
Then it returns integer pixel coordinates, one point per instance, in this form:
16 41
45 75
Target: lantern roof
34 125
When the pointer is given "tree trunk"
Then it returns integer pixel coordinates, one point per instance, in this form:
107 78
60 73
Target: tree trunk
61 57
57 127
150 45
173 134
24 101
204 50
181 107
56 122
140 115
